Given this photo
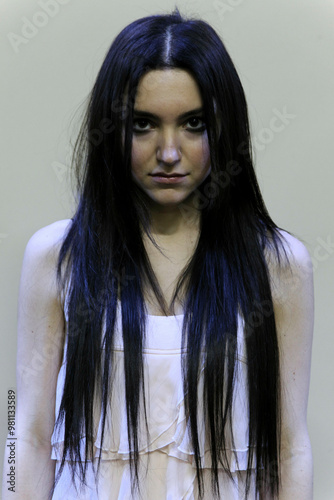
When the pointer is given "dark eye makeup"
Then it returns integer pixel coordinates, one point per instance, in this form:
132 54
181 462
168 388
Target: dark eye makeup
140 125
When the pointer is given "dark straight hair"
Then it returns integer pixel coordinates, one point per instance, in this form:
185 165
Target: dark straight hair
103 260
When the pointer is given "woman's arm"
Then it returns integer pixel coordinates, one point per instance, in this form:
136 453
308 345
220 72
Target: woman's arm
294 313
39 355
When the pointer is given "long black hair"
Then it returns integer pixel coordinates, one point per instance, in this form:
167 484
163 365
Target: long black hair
103 259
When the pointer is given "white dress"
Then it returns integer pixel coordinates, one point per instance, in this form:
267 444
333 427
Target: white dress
167 470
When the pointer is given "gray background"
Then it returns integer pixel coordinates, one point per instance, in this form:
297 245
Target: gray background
283 52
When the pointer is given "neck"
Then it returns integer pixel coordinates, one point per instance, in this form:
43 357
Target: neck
174 220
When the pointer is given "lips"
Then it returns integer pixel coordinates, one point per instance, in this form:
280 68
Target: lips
168 179
162 174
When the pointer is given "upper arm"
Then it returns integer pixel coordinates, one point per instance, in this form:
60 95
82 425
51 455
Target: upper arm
40 335
293 299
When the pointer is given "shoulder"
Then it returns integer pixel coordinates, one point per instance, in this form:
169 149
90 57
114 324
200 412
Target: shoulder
293 272
296 250
292 252
41 255
48 238
46 242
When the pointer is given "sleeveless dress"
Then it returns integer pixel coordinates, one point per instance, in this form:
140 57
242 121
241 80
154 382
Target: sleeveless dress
167 470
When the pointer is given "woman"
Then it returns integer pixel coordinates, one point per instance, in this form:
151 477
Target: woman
175 316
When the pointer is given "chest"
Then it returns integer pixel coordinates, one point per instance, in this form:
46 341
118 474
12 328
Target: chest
168 267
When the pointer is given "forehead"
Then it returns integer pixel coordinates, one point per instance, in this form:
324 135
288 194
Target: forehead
168 90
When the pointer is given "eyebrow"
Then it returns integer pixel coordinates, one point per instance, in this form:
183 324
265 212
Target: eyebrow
141 112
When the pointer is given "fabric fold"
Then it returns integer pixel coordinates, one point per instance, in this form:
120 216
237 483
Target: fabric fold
166 451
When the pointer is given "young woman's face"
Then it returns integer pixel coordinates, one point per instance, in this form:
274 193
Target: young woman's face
169 137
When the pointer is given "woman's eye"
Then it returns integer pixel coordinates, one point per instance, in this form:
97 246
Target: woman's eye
196 124
141 125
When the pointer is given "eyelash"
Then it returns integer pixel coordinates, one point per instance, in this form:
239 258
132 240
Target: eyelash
192 130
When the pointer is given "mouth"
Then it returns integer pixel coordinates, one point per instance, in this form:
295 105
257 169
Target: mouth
169 176
163 178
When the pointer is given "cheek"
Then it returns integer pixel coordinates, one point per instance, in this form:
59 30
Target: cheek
200 156
138 158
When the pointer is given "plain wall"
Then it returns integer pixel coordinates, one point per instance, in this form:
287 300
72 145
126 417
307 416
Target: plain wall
283 52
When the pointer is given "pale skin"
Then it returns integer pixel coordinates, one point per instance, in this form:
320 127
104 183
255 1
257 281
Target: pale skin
168 146
171 144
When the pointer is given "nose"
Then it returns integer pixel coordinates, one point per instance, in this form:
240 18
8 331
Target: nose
168 148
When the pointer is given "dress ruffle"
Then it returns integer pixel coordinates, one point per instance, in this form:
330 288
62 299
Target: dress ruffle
167 461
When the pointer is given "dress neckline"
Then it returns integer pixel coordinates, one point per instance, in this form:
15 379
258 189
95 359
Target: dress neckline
119 304
171 316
